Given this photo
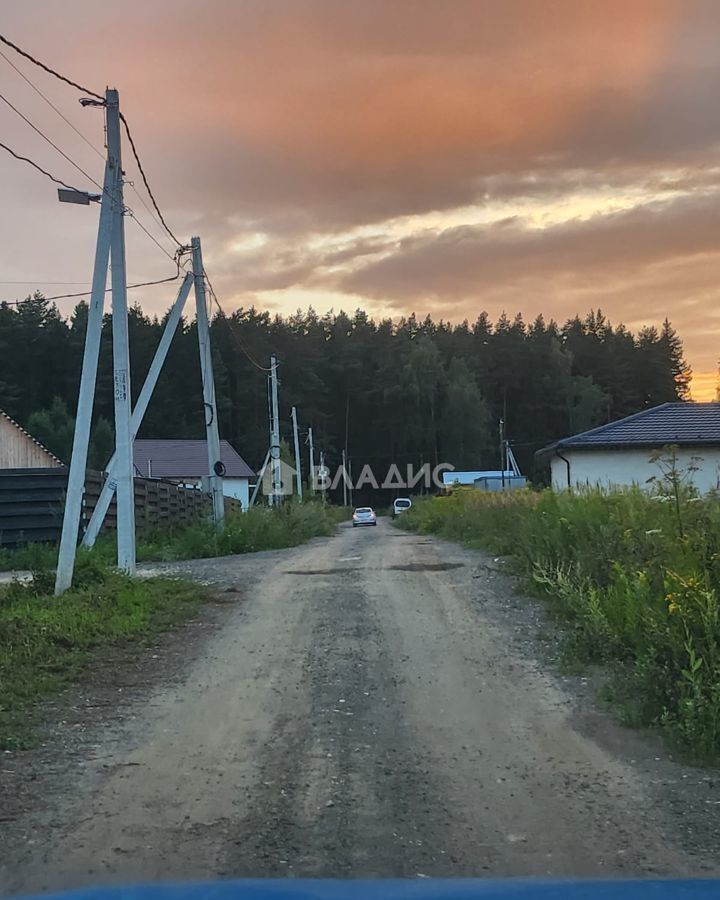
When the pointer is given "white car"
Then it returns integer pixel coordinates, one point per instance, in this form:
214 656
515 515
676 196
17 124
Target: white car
364 515
401 505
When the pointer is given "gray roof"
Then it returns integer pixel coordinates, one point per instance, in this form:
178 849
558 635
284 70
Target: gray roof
684 424
185 459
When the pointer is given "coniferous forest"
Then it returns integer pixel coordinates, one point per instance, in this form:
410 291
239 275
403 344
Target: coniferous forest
409 391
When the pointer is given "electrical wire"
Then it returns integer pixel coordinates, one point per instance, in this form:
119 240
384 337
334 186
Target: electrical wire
52 106
88 293
152 237
47 69
231 327
142 200
37 281
145 181
38 167
85 90
46 138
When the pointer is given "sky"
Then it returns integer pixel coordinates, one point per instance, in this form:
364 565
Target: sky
435 156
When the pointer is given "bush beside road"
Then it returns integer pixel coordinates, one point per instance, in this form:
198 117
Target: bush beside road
260 528
634 576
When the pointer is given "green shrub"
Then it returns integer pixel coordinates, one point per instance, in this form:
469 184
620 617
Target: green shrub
634 574
260 528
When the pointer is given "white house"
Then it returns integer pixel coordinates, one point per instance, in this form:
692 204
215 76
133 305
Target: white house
620 454
186 462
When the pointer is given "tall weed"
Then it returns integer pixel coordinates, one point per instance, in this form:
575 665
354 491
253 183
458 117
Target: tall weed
635 575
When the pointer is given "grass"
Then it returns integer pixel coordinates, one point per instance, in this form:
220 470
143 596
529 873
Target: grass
46 642
633 575
261 528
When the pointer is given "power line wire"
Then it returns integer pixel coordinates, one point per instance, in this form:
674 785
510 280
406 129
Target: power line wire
52 106
142 200
47 69
75 129
38 167
231 326
52 144
52 178
38 281
145 181
88 293
85 90
152 237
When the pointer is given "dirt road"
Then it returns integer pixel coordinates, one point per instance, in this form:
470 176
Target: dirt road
367 705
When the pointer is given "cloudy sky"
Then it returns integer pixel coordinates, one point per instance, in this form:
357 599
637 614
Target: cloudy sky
441 156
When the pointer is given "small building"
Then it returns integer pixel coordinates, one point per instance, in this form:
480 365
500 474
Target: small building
620 454
497 481
479 479
20 450
186 462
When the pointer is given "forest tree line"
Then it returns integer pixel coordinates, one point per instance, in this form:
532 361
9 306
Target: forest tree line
411 391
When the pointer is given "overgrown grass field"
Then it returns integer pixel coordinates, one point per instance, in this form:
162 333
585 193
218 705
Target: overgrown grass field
634 575
46 641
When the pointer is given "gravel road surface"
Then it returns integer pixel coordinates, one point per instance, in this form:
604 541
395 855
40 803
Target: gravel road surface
372 704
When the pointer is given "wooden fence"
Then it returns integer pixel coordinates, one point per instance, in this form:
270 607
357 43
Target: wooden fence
32 502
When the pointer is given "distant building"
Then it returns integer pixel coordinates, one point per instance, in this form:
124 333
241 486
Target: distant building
186 463
20 450
486 479
469 478
619 454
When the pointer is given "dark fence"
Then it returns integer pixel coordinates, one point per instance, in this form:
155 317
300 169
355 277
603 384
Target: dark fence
32 502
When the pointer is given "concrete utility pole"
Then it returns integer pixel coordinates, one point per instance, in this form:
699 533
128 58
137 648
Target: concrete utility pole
138 413
311 479
344 478
298 465
83 418
275 435
503 463
259 478
124 478
215 465
322 469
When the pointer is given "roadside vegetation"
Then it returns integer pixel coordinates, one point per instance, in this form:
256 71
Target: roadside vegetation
635 577
45 642
261 528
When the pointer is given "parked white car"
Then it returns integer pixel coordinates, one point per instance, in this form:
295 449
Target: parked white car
401 505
